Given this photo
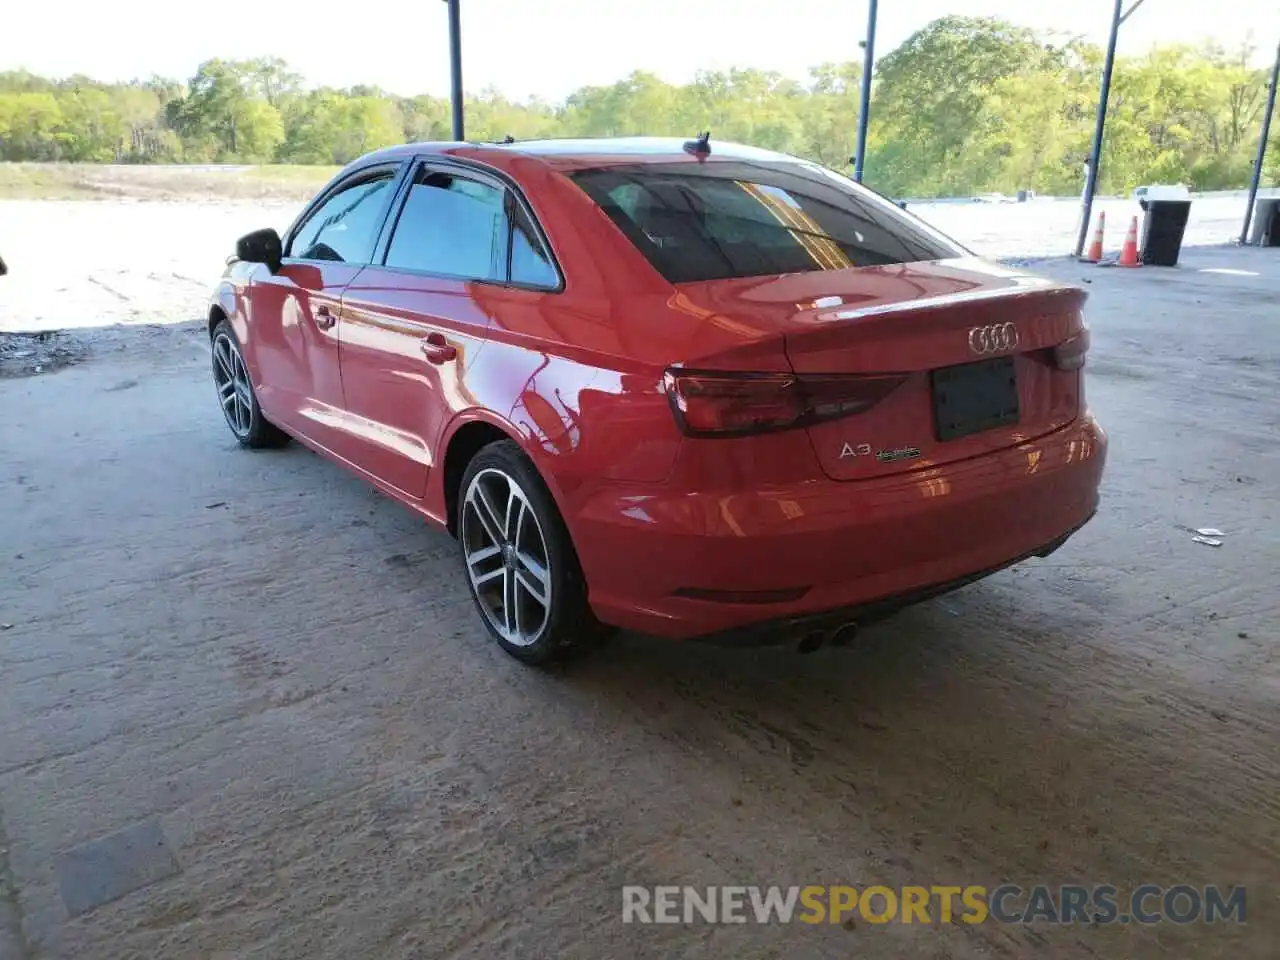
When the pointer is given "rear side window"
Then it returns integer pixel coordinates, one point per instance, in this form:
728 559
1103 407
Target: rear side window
530 263
454 226
722 219
344 227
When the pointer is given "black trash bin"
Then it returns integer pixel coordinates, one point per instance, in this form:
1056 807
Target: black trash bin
1162 231
1266 223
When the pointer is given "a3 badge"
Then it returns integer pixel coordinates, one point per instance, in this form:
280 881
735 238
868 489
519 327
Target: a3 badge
884 456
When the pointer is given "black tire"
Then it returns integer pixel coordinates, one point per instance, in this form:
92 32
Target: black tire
240 407
568 624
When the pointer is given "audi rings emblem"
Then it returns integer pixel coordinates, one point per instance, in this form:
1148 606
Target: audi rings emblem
996 338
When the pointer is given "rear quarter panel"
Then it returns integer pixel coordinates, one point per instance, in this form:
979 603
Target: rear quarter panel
554 375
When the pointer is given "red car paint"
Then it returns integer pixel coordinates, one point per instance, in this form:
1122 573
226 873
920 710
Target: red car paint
678 535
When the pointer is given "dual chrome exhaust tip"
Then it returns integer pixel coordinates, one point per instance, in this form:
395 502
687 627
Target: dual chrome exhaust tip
840 635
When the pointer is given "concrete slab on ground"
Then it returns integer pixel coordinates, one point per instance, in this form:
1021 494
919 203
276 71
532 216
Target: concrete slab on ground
282 671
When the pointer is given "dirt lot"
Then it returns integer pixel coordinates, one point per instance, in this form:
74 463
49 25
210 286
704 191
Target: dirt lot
280 671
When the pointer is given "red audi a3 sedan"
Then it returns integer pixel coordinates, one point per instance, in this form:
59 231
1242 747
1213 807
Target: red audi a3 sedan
687 388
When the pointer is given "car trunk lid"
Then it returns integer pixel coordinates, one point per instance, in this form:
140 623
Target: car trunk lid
977 348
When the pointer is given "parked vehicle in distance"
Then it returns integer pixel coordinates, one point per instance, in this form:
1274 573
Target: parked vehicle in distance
688 388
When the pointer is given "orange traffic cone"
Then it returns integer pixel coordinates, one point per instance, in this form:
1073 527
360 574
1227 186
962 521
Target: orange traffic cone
1129 252
1095 249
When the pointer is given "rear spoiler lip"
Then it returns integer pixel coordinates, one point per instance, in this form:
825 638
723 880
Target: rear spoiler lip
951 299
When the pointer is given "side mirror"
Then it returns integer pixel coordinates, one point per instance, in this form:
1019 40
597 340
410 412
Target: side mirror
261 246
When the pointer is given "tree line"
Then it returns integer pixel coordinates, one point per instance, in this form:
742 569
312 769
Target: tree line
964 106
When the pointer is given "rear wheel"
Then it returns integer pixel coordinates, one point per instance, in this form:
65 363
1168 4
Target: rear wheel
520 563
236 396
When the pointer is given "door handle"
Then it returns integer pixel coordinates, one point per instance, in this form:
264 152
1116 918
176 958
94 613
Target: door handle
437 349
325 319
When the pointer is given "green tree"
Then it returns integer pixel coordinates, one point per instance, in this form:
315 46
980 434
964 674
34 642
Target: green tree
271 79
312 124
31 126
92 130
965 105
364 124
828 114
931 99
223 117
491 116
328 127
425 118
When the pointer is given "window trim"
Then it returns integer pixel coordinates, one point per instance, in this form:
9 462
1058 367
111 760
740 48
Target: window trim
352 179
514 203
480 173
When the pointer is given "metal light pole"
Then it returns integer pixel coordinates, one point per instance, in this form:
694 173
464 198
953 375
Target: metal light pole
455 66
1095 155
1262 148
868 64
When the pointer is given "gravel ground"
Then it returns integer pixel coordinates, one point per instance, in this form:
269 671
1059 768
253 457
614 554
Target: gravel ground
280 672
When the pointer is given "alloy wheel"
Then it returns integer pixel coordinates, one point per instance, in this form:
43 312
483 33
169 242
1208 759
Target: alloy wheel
232 380
506 557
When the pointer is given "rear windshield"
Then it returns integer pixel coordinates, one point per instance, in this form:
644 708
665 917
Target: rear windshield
728 218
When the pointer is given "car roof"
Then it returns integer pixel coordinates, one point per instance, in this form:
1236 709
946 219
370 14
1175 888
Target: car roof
583 152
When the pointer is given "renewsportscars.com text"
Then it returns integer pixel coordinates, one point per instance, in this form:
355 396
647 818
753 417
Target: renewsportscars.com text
1099 904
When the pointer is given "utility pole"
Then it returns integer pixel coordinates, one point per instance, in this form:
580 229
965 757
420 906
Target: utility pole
455 66
1095 155
868 64
1262 147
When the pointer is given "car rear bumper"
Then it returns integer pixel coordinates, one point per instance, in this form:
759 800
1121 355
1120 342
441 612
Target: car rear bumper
825 624
685 564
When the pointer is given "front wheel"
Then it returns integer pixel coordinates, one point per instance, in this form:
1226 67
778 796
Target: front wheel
236 394
520 563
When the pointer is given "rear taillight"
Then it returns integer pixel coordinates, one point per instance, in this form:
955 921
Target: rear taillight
709 404
1070 354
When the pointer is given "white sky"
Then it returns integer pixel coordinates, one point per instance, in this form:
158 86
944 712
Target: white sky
546 47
